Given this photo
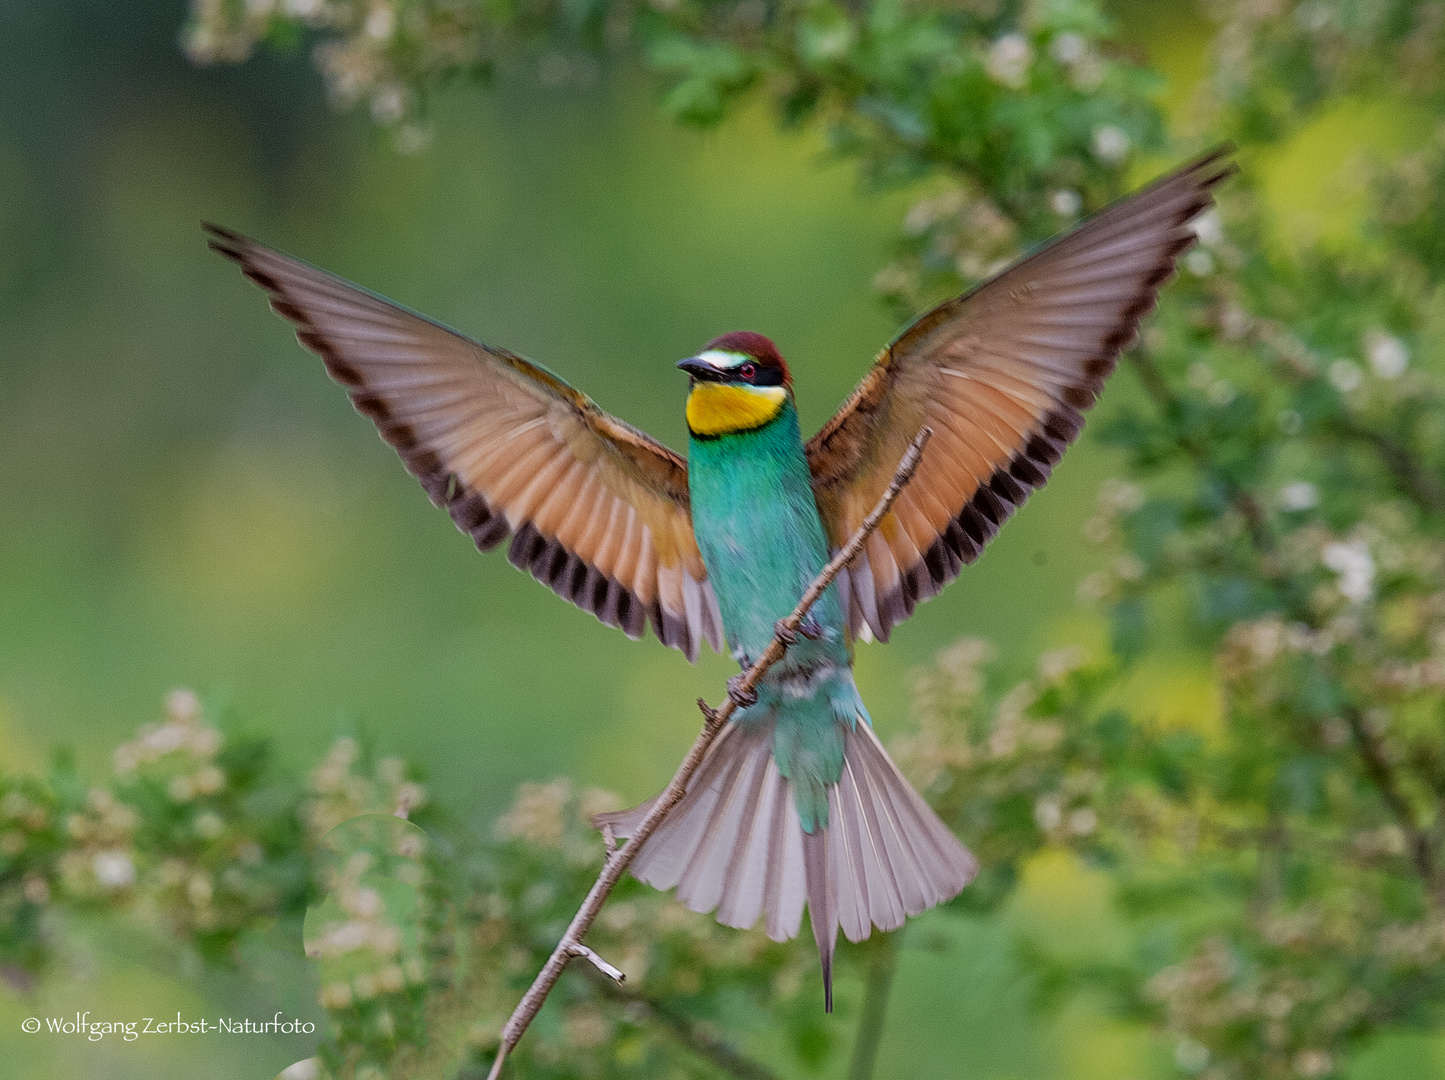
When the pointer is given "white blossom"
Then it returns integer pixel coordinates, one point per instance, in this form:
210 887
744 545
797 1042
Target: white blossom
1352 561
1199 263
381 22
1083 821
1344 376
1008 61
1111 144
1191 1056
1208 228
388 104
1120 496
1299 495
1068 48
1048 814
1388 355
183 706
113 869
1066 202
1055 665
1313 1063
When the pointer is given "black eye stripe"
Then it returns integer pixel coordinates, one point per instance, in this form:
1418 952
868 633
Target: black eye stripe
767 376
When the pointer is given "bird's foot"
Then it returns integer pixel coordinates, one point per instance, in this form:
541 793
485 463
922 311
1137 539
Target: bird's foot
741 697
809 628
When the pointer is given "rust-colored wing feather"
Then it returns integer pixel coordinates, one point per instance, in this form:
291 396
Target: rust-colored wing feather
1003 375
597 510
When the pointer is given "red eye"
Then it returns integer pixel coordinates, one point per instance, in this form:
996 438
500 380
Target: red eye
747 371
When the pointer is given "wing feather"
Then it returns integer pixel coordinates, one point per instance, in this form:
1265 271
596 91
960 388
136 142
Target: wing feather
597 510
1002 374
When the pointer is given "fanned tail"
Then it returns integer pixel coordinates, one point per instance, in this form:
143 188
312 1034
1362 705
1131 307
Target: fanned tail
735 844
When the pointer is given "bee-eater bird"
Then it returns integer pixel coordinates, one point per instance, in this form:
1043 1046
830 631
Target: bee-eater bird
796 802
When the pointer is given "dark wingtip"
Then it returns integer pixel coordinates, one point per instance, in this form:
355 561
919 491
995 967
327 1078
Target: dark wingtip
223 241
1215 153
1222 158
827 984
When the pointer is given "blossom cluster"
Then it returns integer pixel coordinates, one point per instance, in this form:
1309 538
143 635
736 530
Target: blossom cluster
422 960
342 786
174 838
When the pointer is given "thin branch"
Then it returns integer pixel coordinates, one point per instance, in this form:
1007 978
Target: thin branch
619 859
613 973
1431 770
1382 772
1158 388
695 1036
1417 478
882 964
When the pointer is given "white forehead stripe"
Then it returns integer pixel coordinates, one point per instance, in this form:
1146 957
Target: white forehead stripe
719 359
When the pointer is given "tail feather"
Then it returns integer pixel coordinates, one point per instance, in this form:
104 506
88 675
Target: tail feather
667 854
907 871
940 867
735 844
876 878
786 887
725 838
818 869
746 879
847 876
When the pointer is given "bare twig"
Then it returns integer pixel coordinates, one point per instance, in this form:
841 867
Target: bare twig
1248 507
1412 474
700 1038
615 974
1382 772
618 859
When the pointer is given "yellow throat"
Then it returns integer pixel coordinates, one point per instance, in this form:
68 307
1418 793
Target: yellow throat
723 408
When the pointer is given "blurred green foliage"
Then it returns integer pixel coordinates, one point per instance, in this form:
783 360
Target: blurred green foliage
1265 884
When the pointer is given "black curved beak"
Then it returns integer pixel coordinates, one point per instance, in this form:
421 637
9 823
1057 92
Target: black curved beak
702 370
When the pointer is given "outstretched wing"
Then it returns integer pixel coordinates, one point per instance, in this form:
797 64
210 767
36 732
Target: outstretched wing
597 510
1002 374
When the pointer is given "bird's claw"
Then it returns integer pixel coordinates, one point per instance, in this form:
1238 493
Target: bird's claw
809 628
740 695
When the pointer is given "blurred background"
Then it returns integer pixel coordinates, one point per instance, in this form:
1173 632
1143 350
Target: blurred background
187 500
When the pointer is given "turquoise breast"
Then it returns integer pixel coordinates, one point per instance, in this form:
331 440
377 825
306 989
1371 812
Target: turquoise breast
757 526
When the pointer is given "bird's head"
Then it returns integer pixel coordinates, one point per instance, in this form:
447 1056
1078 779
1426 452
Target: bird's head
739 382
